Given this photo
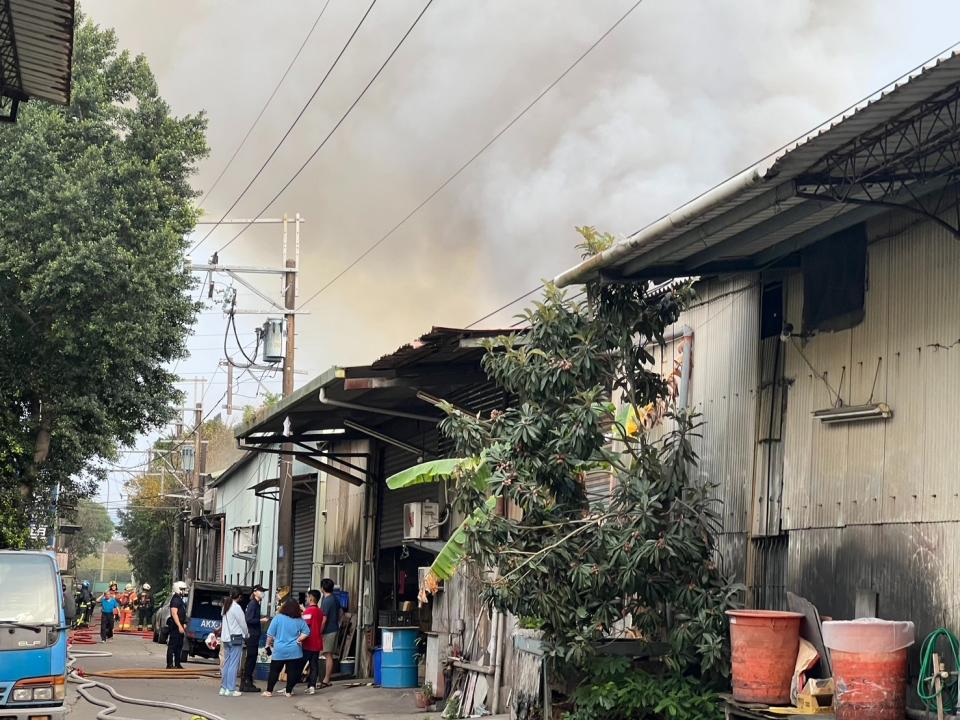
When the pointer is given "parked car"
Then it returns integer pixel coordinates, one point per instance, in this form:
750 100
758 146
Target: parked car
160 623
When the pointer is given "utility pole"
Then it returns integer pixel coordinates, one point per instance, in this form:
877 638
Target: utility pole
285 509
190 551
288 270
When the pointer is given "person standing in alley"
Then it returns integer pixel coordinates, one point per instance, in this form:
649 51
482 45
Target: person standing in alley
253 639
109 609
313 645
285 638
233 631
144 607
330 606
176 625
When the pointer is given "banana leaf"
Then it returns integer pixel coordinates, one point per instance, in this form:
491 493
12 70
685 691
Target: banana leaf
437 470
448 559
428 472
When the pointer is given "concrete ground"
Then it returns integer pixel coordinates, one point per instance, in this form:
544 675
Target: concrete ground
343 701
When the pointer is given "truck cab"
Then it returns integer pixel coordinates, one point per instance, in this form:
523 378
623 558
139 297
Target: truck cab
33 637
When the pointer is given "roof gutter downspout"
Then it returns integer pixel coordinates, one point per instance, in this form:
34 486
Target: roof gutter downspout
324 400
685 368
590 267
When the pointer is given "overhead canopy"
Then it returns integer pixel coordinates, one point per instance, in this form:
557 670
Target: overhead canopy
898 148
36 52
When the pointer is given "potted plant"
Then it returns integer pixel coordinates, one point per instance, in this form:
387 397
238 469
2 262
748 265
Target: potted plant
425 696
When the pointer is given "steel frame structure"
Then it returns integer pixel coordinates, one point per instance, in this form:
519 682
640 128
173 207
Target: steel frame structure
11 84
914 156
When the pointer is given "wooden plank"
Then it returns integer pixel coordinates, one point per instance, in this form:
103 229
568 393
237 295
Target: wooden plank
810 629
474 667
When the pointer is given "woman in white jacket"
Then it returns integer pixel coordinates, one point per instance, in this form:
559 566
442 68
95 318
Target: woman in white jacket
233 631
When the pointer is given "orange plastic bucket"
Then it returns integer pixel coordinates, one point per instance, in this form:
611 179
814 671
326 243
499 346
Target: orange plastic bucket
764 647
870 686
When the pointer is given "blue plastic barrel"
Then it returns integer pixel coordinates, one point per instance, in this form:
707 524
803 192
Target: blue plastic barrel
399 658
377 666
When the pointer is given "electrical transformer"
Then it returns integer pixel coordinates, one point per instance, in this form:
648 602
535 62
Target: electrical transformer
273 340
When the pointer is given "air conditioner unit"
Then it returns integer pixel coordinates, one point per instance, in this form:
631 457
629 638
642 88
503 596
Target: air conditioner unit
335 573
421 521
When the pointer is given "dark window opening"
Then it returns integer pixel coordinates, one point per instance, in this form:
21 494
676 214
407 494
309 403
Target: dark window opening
771 310
835 281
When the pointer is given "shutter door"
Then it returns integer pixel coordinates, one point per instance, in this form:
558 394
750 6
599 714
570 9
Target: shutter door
218 555
304 517
391 517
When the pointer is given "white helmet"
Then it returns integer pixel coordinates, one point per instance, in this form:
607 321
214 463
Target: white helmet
128 587
180 587
146 586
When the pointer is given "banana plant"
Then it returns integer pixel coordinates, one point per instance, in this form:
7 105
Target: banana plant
445 565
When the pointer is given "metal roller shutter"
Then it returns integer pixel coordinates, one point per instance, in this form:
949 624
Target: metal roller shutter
304 518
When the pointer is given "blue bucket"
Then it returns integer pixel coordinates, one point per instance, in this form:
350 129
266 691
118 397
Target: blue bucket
377 666
399 663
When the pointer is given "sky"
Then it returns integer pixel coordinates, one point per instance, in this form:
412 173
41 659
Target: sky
677 98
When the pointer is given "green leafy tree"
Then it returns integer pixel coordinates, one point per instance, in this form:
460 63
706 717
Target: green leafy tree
96 528
95 204
576 564
148 525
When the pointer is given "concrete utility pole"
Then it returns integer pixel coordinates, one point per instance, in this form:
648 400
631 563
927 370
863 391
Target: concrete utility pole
285 509
288 271
190 551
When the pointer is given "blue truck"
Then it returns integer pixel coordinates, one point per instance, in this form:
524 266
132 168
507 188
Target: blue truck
33 637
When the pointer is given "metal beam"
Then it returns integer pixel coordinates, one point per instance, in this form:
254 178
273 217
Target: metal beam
208 267
322 397
389 440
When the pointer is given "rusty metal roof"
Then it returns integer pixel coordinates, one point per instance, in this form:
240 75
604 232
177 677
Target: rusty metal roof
443 360
768 211
36 49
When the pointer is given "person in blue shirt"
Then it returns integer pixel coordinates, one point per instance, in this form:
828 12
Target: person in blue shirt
285 637
109 609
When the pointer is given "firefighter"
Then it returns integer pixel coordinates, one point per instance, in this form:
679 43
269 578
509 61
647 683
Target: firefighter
84 604
128 599
144 607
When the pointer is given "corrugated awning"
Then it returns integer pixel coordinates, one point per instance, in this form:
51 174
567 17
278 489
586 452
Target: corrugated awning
36 51
898 148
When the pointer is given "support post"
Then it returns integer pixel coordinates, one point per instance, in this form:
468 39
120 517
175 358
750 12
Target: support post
285 505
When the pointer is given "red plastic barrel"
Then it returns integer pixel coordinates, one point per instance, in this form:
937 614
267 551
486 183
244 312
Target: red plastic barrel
765 645
870 686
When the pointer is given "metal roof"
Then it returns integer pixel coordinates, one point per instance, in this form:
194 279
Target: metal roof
897 145
36 49
437 361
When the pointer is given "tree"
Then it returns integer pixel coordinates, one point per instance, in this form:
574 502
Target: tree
96 528
577 564
148 526
95 204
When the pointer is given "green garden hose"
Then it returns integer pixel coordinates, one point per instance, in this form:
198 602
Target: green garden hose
925 687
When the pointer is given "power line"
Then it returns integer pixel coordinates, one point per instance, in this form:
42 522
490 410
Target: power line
469 162
265 105
330 134
296 120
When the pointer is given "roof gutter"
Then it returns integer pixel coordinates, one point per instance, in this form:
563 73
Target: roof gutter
589 268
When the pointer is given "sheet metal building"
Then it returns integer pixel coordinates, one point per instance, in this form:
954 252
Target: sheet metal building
828 281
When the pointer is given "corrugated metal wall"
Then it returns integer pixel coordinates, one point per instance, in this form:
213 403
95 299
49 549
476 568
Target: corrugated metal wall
902 470
870 511
723 389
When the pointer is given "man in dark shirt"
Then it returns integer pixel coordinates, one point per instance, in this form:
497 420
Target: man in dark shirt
176 625
252 614
330 606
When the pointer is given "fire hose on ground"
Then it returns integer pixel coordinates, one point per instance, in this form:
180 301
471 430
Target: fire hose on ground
84 685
